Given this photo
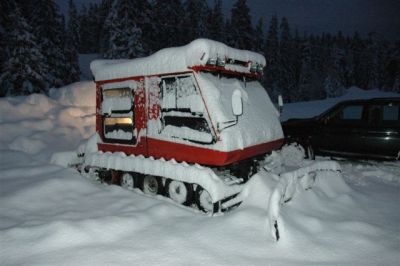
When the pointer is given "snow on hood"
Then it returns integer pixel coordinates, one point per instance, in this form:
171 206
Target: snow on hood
172 60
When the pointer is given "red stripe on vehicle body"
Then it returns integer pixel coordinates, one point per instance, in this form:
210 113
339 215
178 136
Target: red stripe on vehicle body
191 154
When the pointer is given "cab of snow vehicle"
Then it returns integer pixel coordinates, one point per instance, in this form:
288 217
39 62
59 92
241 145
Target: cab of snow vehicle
200 103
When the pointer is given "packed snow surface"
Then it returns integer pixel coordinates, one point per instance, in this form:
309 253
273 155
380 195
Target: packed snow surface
51 215
173 60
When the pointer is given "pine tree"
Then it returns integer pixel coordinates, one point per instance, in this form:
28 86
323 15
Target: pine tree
359 58
305 91
391 76
125 37
195 20
259 37
72 44
286 79
333 83
296 59
143 16
22 72
7 7
377 49
49 29
216 22
228 32
104 10
242 29
168 21
272 58
90 29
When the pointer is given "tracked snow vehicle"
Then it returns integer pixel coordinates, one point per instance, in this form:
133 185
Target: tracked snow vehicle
190 123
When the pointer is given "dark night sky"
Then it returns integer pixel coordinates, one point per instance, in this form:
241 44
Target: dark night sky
316 16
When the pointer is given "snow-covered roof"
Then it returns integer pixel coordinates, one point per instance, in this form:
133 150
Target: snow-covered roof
175 59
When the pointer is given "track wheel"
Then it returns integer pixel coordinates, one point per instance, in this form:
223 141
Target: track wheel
204 200
180 192
127 181
151 185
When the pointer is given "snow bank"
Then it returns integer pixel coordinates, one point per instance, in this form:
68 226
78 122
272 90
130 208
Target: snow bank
37 124
76 94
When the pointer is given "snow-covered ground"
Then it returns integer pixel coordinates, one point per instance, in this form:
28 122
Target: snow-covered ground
50 215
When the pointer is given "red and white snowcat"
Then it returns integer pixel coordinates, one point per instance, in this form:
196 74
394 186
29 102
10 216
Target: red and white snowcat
190 123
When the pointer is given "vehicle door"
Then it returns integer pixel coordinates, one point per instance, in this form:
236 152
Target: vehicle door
383 136
341 129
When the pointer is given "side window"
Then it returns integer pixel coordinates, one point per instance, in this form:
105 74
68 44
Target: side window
118 119
179 93
118 128
352 112
182 110
391 112
115 100
349 114
387 114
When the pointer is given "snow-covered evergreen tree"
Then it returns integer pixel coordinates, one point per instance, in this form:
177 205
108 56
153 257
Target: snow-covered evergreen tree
391 76
272 57
259 36
359 58
305 90
286 81
22 72
241 27
125 37
7 6
90 29
104 10
195 19
48 27
333 83
228 32
72 44
168 22
216 22
377 49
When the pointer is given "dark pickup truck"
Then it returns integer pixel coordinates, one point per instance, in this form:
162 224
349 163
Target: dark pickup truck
356 128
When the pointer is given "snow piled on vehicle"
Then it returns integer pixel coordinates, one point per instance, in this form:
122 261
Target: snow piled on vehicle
51 215
173 60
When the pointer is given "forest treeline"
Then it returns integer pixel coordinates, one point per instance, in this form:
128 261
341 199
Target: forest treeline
39 48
